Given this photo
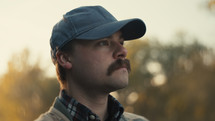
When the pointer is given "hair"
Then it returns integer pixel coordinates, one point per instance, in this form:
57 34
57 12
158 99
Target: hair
61 71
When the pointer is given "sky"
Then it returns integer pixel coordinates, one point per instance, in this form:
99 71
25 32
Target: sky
28 23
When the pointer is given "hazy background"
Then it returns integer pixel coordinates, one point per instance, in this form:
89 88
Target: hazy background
28 23
173 65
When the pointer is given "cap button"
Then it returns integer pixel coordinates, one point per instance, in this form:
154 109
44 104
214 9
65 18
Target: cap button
92 117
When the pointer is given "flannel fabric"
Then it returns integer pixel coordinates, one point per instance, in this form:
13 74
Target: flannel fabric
80 112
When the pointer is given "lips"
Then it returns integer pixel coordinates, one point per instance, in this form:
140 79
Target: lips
123 66
119 64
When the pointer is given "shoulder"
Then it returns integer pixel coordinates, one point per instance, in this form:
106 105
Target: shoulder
52 115
45 117
57 112
133 117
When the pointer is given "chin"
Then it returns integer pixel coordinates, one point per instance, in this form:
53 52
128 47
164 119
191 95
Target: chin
119 84
118 80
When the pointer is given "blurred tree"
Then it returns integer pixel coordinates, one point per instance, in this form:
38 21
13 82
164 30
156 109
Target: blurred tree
211 4
25 91
171 82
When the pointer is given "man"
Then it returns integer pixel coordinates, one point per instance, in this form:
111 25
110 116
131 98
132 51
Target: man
87 50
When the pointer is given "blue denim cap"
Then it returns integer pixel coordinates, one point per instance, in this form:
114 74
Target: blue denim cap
92 23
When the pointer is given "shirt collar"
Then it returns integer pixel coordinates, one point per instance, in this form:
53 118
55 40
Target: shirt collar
81 112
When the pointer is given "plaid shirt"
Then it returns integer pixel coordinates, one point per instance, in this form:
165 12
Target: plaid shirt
80 112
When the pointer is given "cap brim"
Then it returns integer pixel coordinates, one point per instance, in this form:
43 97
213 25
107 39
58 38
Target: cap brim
131 29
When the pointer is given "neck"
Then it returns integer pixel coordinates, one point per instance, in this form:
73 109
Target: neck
97 103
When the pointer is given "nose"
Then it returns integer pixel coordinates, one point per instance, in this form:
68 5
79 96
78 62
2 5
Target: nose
120 52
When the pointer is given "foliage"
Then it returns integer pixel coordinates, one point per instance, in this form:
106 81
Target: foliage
25 91
171 82
211 4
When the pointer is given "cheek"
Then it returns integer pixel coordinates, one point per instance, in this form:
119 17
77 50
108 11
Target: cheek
93 61
98 64
98 67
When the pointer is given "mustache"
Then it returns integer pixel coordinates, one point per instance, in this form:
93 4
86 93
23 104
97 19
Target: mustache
119 64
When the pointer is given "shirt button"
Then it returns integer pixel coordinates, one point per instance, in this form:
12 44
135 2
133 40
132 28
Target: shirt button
92 117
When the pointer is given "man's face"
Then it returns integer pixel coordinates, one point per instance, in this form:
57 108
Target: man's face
100 65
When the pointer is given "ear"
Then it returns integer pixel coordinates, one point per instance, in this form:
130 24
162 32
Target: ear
64 60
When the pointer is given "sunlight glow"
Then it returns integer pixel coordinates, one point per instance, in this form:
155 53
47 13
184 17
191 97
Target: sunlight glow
25 25
154 67
158 80
132 98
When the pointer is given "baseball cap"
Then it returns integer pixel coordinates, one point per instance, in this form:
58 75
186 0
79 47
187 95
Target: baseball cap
92 23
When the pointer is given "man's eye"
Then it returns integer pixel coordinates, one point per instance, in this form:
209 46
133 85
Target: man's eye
104 43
